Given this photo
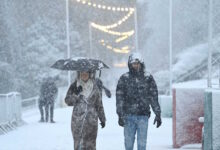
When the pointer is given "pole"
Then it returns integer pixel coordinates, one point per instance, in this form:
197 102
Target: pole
68 37
219 74
171 42
136 30
90 38
210 44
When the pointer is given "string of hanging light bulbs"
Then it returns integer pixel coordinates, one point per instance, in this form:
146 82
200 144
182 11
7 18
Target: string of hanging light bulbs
104 7
115 24
123 50
105 28
129 33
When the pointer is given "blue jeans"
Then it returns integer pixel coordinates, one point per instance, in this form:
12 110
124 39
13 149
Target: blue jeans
132 125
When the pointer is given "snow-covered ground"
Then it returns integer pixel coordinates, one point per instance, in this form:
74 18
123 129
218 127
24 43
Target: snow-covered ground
46 136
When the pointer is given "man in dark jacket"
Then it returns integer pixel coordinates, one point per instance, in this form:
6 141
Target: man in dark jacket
48 93
136 92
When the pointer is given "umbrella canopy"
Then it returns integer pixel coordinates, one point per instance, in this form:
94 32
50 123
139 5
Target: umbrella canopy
79 64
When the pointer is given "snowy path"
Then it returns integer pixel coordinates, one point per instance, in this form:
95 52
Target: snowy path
47 136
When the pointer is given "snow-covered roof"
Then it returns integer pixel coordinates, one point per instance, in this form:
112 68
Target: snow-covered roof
197 84
192 57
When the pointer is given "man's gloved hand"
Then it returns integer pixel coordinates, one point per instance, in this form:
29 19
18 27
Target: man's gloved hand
158 120
102 124
121 121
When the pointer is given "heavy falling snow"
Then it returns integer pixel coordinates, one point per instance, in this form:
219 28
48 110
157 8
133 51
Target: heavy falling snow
178 42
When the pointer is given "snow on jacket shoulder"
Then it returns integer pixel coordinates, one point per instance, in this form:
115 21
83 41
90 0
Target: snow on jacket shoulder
135 94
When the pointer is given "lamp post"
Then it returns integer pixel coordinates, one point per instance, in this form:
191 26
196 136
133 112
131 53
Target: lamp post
210 44
136 29
68 37
171 42
90 38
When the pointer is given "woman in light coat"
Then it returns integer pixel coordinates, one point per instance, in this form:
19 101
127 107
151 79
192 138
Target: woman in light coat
85 96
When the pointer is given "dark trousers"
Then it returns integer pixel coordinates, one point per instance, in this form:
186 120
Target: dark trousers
46 106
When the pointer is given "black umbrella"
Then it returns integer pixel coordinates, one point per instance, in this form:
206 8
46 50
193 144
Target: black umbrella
79 64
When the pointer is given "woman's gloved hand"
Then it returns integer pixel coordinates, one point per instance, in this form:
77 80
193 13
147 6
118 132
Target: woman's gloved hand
79 90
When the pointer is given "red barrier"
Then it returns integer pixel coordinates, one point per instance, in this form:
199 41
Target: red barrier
187 108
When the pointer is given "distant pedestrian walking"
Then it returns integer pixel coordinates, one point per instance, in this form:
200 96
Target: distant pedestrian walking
48 93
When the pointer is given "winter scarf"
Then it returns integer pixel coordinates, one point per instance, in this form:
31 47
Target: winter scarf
87 87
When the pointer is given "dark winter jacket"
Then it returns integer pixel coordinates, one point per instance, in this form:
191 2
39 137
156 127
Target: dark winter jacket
48 91
135 92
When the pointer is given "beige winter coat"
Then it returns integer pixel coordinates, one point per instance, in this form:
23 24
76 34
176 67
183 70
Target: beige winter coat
86 112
